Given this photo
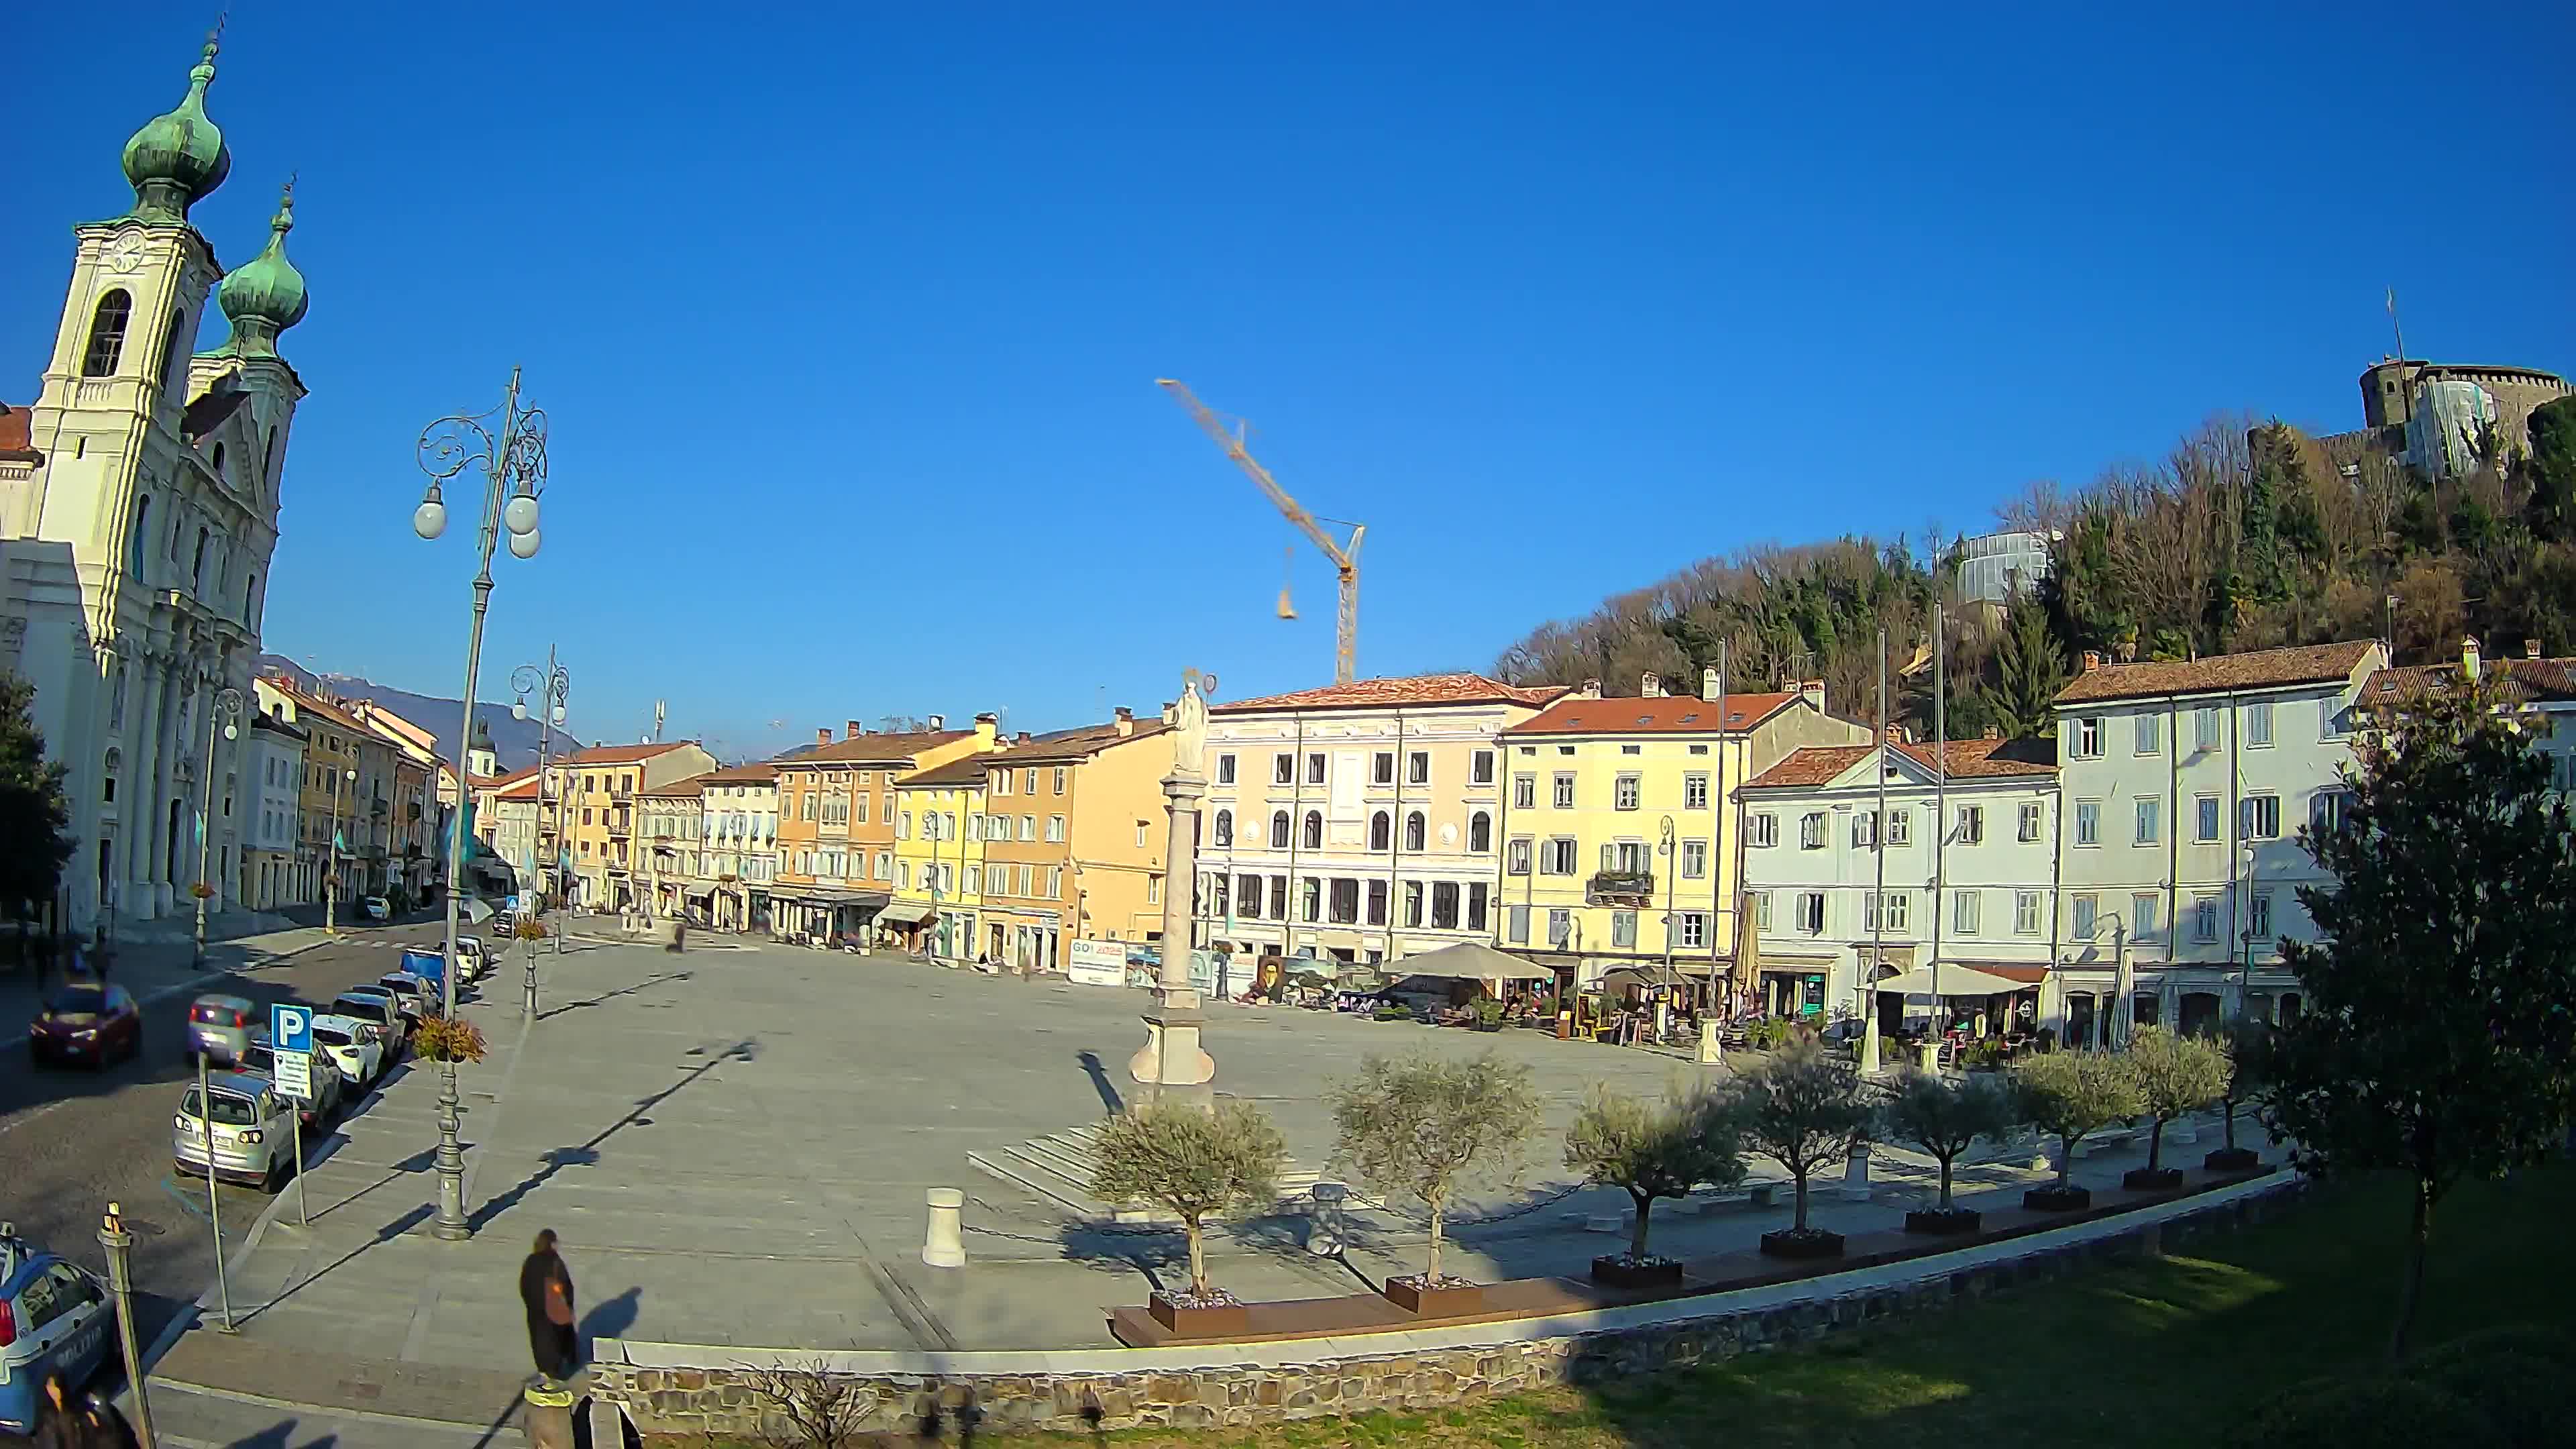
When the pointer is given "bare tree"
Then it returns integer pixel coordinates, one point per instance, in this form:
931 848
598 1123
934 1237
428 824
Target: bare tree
823 1408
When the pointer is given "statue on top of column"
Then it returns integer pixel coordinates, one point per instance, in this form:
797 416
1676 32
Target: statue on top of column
1189 723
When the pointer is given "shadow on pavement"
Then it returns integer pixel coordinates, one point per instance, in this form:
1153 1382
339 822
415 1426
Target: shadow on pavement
627 990
587 1153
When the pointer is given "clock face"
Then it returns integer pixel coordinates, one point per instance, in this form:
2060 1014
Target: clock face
125 254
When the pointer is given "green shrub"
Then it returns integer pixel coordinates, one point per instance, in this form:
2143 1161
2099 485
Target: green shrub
2516 1392
1768 1034
2553 1346
1489 1012
1393 1011
2381 1413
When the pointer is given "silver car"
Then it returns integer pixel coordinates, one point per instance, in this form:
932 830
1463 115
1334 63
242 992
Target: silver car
252 1128
219 1028
377 1008
261 1061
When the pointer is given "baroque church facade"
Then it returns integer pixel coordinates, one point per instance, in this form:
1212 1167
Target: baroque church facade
138 517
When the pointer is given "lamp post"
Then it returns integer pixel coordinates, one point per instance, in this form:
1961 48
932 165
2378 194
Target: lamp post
553 687
1664 848
120 1285
227 715
331 876
513 465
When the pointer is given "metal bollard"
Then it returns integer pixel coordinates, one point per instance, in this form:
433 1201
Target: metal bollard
547 1417
945 1246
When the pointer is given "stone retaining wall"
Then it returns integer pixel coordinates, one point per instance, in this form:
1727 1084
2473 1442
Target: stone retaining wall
1233 1385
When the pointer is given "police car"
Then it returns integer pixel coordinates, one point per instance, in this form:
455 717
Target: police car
55 1318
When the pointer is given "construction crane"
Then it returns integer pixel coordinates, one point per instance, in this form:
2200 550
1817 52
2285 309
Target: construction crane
1345 554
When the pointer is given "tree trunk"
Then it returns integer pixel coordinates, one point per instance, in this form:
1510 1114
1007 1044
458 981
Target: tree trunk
1431 1275
2411 1290
2227 1107
1945 1184
2156 1145
1801 1224
2065 1159
1637 1239
1198 1257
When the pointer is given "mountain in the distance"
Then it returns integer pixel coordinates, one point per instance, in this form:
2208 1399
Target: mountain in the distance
513 740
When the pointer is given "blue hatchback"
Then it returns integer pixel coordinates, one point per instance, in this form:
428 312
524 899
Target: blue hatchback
55 1318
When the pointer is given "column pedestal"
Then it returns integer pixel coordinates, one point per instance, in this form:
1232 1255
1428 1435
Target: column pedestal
1171 1055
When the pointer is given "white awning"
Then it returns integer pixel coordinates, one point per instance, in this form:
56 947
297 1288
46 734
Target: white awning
1955 981
905 914
1469 961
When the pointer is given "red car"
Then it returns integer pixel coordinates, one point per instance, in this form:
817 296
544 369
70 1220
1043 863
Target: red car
87 1021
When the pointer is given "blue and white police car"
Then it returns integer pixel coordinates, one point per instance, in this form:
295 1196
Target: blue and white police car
55 1318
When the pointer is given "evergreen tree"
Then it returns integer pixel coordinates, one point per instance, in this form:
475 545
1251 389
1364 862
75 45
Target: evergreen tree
2438 1041
2551 470
35 817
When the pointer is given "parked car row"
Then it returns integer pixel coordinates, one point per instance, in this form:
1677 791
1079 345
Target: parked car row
55 1318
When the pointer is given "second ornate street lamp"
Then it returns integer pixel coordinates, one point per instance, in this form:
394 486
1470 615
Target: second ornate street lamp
553 687
513 463
226 720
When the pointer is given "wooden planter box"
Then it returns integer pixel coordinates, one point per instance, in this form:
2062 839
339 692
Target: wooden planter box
2053 1199
1232 1318
1616 1274
1434 1302
1814 1243
2232 1159
2151 1179
1933 1220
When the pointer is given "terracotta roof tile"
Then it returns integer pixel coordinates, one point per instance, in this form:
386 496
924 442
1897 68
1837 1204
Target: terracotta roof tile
754 774
623 754
876 749
1395 693
1669 714
519 790
2530 680
1968 759
1073 744
2264 668
966 770
677 789
16 442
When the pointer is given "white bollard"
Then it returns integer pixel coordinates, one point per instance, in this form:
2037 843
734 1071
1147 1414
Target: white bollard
1856 1175
1708 1053
945 1247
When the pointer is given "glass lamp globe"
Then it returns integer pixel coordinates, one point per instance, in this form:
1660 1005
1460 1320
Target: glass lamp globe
429 520
518 709
524 545
520 513
232 732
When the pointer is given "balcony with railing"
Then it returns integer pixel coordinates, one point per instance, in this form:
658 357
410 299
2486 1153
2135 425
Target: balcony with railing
1620 888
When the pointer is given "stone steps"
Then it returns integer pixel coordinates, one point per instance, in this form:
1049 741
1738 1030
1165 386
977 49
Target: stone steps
1058 1169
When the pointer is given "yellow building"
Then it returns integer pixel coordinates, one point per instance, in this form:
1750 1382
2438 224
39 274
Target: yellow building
1623 845
594 791
1073 840
329 787
939 850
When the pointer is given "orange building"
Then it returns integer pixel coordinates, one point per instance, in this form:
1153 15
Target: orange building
1073 841
594 791
836 823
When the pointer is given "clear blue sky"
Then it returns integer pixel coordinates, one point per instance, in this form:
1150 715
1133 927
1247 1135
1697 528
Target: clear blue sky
848 317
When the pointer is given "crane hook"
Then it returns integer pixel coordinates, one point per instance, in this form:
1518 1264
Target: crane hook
1287 569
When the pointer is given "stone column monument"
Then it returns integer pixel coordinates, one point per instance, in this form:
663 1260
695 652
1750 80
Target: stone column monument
1171 1056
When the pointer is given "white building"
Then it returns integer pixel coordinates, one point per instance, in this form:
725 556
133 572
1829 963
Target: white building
1973 888
1300 840
270 798
739 846
138 513
2185 785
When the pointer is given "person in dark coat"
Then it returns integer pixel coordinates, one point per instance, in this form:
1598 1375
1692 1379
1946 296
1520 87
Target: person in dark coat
65 1422
545 1289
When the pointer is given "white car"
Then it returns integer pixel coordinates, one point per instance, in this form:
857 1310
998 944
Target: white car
352 1049
471 959
379 909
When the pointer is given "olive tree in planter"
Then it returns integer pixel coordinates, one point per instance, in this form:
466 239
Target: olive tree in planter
1802 1107
1193 1163
2249 1046
2172 1074
1424 1126
1653 1150
2068 1095
1945 1121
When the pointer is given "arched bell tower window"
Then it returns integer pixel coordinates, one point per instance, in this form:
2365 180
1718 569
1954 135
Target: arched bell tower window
107 334
218 461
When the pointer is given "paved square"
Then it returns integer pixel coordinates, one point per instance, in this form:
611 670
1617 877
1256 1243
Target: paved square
734 1144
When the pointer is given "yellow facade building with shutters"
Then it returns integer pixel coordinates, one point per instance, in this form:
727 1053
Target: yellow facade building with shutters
1622 839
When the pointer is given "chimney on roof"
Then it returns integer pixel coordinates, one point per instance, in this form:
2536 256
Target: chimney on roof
1813 692
850 729
1896 734
2092 660
1992 733
2530 648
1170 711
1021 738
1591 690
1708 682
938 722
2469 658
1124 721
1650 685
822 734
988 727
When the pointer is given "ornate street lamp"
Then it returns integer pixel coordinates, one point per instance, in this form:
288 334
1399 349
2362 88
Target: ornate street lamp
509 447
226 721
553 687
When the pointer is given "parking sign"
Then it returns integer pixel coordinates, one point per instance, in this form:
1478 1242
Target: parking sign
295 1075
290 1028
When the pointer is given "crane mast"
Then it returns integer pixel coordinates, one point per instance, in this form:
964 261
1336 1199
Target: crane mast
1344 554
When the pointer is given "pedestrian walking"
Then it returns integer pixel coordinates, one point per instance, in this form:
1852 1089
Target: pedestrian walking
64 1422
545 1290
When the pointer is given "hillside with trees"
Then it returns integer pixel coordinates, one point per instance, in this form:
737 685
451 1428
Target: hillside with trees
2244 536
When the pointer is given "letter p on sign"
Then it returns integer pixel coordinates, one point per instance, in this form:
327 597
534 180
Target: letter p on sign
290 1028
